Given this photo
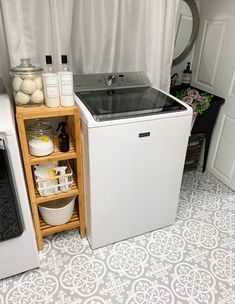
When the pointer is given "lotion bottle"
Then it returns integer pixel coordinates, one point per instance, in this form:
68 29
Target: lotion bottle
51 84
66 83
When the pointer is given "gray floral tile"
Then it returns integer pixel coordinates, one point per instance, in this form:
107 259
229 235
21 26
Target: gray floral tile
193 284
190 262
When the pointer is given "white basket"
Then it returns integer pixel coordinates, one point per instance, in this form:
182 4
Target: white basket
55 184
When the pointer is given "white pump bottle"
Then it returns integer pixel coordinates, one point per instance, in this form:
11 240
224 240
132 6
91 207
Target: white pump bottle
66 83
51 84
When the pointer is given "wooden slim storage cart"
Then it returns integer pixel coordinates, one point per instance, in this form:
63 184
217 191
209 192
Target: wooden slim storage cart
75 153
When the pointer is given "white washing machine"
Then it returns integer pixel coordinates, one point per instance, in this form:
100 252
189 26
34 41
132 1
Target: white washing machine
134 145
18 249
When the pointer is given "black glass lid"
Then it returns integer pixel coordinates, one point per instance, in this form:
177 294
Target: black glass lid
127 103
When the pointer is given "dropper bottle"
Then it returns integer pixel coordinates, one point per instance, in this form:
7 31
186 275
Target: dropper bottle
66 83
51 84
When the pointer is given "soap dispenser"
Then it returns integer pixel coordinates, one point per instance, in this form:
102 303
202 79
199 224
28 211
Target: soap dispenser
51 84
63 137
66 83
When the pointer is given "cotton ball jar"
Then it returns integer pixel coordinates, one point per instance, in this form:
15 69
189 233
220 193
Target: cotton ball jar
22 98
16 83
27 81
37 97
28 86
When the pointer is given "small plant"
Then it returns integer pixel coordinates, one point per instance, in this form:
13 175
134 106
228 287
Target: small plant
198 102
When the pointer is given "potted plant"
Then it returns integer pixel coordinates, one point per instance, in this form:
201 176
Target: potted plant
199 102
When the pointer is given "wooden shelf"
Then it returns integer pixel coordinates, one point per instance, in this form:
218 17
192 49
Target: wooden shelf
48 229
57 154
43 111
75 152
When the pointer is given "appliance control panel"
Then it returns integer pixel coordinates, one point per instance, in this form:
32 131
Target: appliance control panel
110 81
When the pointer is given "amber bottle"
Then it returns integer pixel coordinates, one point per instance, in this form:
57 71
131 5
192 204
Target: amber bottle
187 75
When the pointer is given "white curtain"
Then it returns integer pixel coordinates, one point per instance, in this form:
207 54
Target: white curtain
97 35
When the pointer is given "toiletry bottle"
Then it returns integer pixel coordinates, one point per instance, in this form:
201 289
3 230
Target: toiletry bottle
66 83
51 84
63 137
63 181
187 75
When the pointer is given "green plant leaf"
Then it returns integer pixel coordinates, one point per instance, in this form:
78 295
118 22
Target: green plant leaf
198 105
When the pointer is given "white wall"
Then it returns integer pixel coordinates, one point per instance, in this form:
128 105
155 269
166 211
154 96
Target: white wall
4 61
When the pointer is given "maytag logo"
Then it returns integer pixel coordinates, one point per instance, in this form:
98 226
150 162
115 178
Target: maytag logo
145 134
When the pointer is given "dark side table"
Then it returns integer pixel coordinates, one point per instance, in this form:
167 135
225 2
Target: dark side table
205 122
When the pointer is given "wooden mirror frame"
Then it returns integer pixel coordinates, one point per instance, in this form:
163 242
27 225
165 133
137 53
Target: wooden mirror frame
195 15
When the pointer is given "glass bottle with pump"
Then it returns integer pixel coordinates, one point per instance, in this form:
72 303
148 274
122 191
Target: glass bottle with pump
187 75
51 84
66 83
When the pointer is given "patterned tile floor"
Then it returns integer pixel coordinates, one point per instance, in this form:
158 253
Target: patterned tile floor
191 262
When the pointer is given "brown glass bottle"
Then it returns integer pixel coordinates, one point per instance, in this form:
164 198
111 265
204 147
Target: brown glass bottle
187 75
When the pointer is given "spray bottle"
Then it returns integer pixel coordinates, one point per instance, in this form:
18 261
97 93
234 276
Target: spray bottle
63 137
63 181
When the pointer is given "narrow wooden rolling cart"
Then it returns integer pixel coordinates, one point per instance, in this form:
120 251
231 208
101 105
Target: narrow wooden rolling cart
75 153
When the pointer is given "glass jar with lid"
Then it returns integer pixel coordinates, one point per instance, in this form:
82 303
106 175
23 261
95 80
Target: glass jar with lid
40 138
27 84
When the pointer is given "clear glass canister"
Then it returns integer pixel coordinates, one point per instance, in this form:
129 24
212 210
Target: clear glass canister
40 138
27 84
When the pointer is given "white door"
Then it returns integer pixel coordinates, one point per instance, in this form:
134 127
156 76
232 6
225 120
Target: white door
214 71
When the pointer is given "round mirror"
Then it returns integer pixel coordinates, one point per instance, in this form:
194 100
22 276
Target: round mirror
187 25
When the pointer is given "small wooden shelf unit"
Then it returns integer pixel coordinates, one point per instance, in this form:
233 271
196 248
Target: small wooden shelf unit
41 228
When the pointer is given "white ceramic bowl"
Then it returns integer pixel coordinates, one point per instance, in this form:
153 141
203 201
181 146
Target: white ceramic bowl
57 212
